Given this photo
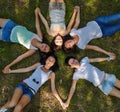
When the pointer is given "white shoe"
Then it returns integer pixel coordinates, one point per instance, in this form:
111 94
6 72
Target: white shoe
6 110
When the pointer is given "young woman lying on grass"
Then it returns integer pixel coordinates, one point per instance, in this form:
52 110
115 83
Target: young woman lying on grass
25 91
57 27
12 32
102 26
107 83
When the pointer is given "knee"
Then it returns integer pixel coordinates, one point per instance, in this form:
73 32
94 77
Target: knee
18 108
12 104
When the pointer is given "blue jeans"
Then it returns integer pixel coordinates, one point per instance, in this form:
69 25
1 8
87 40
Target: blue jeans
108 24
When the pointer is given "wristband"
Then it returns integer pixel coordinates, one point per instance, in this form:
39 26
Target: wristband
108 58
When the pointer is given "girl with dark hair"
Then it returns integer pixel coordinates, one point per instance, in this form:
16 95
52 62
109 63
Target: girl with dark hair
25 91
100 27
107 83
12 32
57 27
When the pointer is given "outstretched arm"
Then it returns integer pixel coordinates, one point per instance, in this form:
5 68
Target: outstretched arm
102 59
77 20
96 48
71 21
72 90
52 77
23 70
44 21
39 32
18 59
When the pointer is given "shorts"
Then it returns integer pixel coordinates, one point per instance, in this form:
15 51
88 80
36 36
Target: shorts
26 90
57 12
6 29
107 86
54 6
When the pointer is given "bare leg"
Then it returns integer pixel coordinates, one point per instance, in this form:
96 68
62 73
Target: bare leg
16 96
115 92
2 21
117 83
22 103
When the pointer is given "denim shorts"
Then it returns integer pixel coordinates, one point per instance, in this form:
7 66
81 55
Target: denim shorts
57 12
26 90
6 29
107 86
54 6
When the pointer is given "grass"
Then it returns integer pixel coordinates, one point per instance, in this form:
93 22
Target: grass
86 98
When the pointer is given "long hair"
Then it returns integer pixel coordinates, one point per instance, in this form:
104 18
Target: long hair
68 58
66 38
44 58
55 47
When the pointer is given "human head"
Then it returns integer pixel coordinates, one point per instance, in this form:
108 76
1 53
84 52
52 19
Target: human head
51 60
68 44
56 29
44 47
57 42
72 62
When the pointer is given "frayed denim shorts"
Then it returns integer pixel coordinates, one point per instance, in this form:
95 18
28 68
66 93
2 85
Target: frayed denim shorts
7 29
26 90
107 86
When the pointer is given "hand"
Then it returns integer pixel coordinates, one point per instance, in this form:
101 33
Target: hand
6 70
77 8
64 105
37 10
112 56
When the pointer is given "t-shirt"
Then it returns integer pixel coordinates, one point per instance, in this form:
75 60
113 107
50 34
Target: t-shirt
37 79
87 33
21 35
88 72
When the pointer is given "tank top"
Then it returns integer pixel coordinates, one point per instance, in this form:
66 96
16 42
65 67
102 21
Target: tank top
38 78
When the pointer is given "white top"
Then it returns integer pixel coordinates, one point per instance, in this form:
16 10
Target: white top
57 18
88 72
21 35
37 79
87 33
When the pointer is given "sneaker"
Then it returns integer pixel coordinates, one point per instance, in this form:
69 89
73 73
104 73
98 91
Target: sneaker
6 110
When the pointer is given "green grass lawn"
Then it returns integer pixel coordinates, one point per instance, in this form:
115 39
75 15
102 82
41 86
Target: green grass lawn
87 98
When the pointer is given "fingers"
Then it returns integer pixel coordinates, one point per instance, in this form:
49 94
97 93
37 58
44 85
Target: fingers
77 8
37 10
6 70
112 56
64 105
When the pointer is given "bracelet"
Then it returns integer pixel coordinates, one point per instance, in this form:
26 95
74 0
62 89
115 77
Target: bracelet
108 58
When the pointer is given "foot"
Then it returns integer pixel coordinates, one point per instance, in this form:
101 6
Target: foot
5 110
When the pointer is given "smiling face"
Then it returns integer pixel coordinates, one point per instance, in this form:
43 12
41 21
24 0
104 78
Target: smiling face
50 61
69 43
44 48
74 63
58 40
